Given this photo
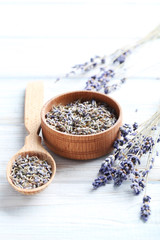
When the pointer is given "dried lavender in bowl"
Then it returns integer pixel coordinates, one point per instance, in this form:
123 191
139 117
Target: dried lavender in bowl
81 117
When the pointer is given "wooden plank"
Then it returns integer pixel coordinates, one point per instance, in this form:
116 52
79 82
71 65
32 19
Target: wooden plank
42 40
79 19
47 58
151 2
13 97
91 215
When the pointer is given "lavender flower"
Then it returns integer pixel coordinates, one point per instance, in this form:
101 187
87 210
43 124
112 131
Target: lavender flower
119 177
138 185
145 209
110 68
107 164
134 142
100 181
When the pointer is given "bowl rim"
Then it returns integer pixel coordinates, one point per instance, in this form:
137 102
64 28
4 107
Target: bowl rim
76 135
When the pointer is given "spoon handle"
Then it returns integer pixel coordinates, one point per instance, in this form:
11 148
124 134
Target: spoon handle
33 104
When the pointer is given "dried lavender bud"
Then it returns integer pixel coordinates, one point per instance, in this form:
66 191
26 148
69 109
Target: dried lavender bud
135 126
121 59
116 60
123 80
30 172
134 142
146 199
100 181
128 150
125 130
106 165
119 177
81 117
145 209
138 183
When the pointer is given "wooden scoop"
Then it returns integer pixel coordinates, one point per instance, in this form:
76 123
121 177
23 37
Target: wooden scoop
32 147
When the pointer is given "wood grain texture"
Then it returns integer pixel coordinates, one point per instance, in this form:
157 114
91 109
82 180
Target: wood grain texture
68 208
41 40
34 97
80 147
32 147
41 48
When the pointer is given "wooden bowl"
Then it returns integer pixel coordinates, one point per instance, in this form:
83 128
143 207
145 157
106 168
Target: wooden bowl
80 147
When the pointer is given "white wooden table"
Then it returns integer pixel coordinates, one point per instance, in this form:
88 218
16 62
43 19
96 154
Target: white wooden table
41 40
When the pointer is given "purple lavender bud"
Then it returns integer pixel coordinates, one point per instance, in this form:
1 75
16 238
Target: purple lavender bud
111 73
129 144
127 166
106 165
88 88
135 188
141 184
152 160
117 154
123 80
116 144
120 59
144 173
134 134
98 87
103 61
135 126
135 159
145 212
145 209
109 177
158 140
93 77
146 199
119 177
136 173
106 90
100 181
126 139
125 130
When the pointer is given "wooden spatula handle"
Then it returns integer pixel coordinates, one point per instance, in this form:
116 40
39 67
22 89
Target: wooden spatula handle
33 104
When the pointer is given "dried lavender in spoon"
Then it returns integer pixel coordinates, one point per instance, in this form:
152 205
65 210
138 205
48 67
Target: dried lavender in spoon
30 172
81 117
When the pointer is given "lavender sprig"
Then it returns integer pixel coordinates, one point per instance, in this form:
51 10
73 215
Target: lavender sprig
110 67
145 209
119 56
135 142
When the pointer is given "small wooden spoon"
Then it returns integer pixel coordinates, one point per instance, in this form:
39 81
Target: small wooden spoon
32 147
